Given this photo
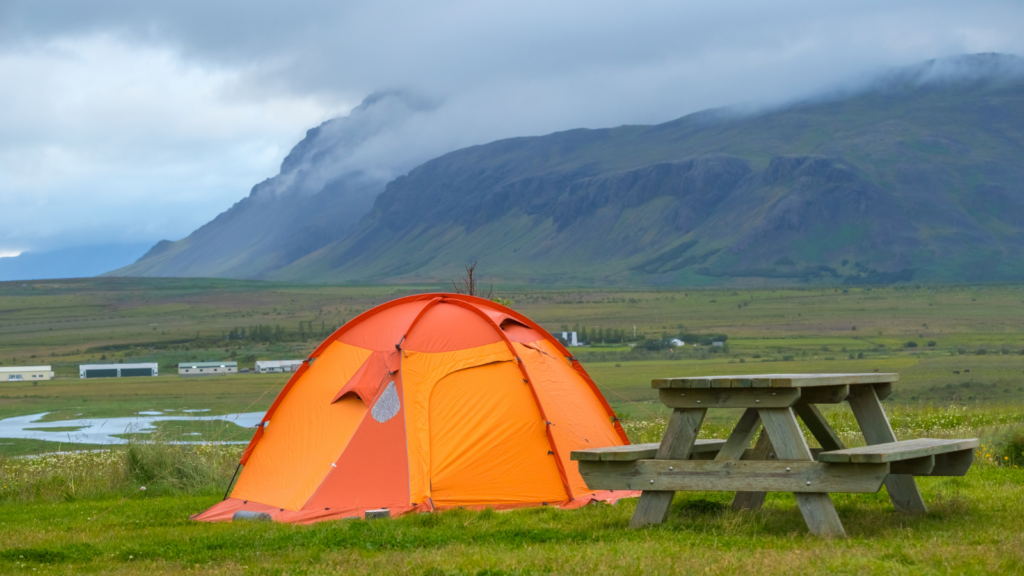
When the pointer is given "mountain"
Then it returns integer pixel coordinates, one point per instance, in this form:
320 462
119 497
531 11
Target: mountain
915 176
76 262
321 192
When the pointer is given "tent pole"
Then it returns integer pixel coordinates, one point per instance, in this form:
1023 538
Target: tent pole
228 491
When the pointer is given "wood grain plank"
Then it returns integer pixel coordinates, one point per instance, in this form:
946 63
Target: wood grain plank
820 515
639 451
729 397
779 380
874 424
953 463
739 439
808 380
824 394
883 390
680 436
915 467
896 451
817 509
819 427
763 450
734 476
617 453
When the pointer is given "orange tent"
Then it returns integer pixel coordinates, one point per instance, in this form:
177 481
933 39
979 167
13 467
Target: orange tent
424 403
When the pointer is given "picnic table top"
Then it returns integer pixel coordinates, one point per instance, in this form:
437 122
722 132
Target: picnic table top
775 380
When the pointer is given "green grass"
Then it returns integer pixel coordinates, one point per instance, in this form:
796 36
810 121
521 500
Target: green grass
84 512
967 530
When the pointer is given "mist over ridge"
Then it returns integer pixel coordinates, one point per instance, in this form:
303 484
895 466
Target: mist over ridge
908 175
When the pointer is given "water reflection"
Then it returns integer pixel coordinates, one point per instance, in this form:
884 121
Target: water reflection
102 430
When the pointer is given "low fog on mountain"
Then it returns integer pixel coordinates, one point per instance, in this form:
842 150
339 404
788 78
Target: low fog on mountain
250 140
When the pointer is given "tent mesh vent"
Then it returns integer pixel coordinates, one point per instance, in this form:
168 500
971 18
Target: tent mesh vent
387 405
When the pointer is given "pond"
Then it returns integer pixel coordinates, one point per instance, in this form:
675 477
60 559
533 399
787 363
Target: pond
105 430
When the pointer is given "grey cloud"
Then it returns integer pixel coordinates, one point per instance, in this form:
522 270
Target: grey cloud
359 144
470 72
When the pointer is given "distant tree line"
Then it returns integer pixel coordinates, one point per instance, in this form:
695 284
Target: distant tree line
597 335
619 336
277 333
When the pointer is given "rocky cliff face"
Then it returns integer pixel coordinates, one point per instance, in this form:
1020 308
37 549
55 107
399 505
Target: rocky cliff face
917 176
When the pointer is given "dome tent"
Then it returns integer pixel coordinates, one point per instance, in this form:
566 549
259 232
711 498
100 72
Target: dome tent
423 403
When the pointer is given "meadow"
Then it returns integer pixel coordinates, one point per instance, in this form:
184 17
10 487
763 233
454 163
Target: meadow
65 511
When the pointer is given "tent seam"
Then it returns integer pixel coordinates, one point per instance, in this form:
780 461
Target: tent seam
533 390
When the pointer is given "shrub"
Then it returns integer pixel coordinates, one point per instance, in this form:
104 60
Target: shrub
155 464
1011 450
910 344
180 467
654 345
932 343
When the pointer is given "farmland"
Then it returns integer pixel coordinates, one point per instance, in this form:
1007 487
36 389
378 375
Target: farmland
85 512
70 321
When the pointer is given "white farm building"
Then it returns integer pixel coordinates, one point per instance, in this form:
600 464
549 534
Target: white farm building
25 373
274 366
118 370
206 368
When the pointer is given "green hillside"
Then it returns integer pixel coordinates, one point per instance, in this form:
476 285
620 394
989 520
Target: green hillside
916 177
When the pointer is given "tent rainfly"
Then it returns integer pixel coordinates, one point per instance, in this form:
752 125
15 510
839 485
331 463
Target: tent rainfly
424 403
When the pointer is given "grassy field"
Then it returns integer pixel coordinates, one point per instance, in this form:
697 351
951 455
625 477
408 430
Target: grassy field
972 528
64 322
85 512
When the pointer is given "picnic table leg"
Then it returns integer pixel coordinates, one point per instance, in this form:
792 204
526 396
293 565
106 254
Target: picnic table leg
740 437
819 427
737 444
867 409
817 508
762 451
680 435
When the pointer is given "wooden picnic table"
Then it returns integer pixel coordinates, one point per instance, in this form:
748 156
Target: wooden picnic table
780 460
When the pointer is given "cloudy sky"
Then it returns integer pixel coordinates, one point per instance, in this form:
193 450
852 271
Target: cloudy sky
129 122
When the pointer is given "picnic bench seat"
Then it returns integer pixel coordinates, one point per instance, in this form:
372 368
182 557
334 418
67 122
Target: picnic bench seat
920 457
702 449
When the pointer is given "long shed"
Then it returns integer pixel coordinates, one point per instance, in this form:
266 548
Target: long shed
274 366
206 368
25 373
118 370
